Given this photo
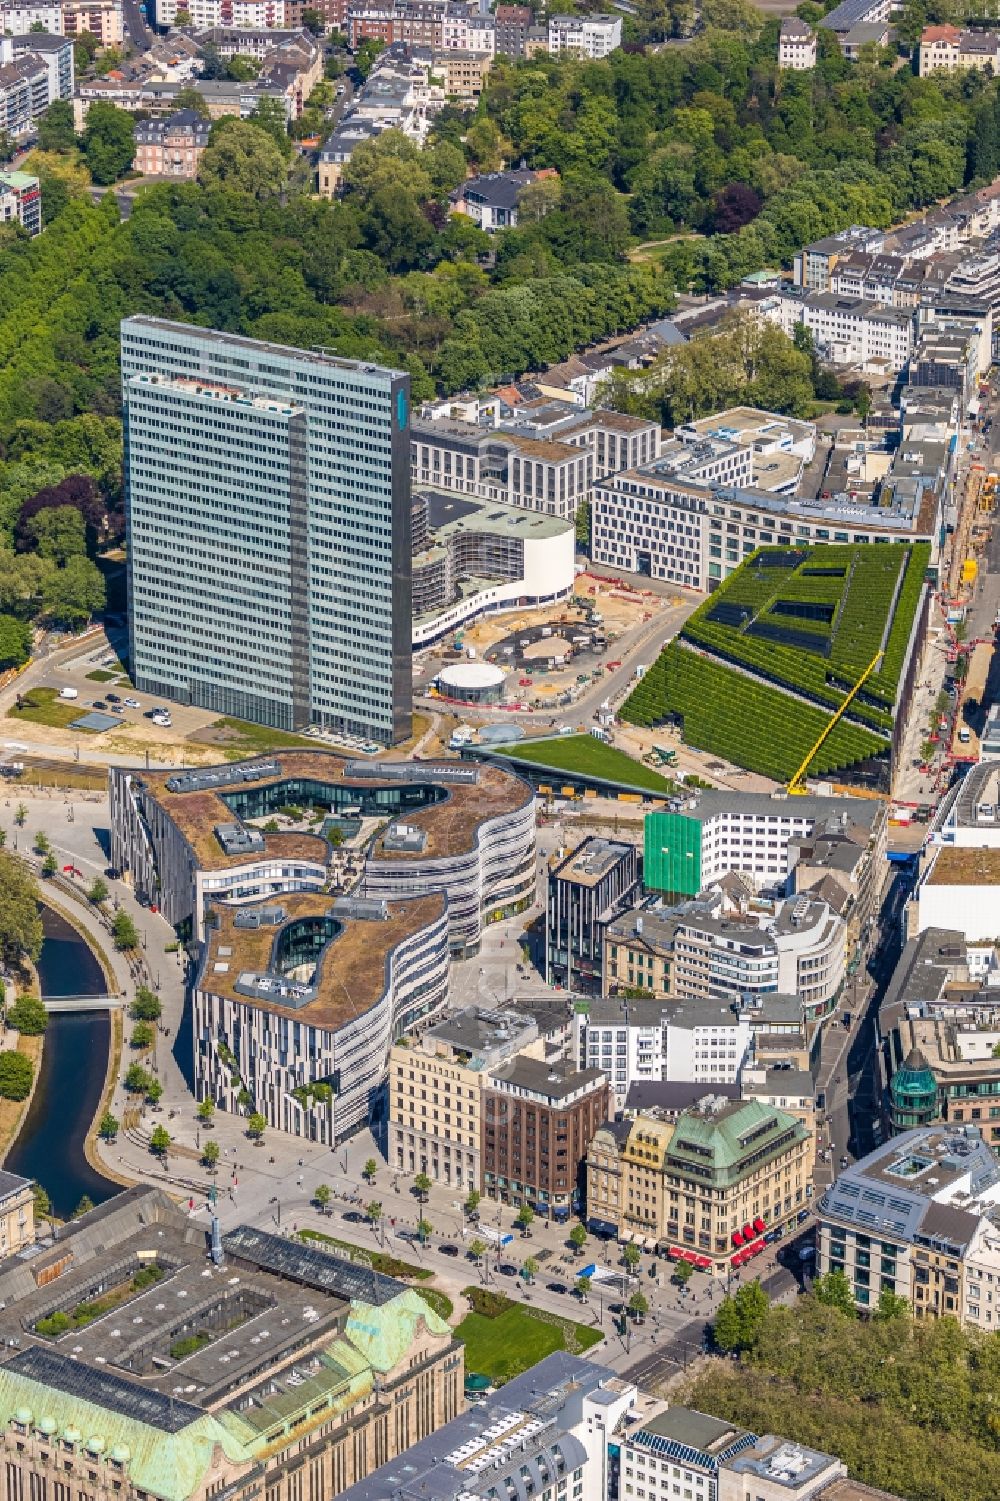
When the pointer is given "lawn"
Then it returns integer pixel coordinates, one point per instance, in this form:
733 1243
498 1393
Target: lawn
503 1347
242 739
44 706
587 756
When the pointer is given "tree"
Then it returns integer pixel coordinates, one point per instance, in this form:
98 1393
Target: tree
243 158
834 1291
631 1256
137 1080
15 642
28 1016
16 1074
210 1153
578 1238
370 1169
20 815
146 1007
477 1250
683 1272
190 98
525 1215
269 117
638 1304
58 533
142 1035
890 1307
123 931
43 1205
583 1287
422 1184
159 1141
41 844
85 1205
20 924
322 1196
109 1126
373 1212
206 1110
472 1201
154 1091
50 865
530 1268
424 1228
366 55
256 1126
313 21
107 142
390 160
73 594
98 892
740 1318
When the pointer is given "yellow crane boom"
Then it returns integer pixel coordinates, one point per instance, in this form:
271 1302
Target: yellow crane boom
795 786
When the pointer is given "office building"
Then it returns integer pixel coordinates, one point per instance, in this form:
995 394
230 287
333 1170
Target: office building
17 1214
435 1091
539 1117
939 1027
682 1447
473 557
586 890
298 1002
267 505
919 1217
764 838
545 1434
639 1041
707 1185
264 1366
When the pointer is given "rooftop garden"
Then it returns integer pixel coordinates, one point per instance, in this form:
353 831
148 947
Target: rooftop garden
586 756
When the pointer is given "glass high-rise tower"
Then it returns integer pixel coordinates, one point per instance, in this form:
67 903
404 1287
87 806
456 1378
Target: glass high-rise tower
267 495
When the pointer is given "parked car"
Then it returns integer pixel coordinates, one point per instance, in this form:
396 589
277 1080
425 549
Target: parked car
449 1251
507 1269
113 698
132 703
99 704
556 1287
354 1217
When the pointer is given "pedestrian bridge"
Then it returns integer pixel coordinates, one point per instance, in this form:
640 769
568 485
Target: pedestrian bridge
55 1003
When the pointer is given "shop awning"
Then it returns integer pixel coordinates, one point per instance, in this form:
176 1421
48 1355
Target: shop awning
738 1259
676 1253
760 1225
737 1238
755 1249
703 1263
691 1256
748 1231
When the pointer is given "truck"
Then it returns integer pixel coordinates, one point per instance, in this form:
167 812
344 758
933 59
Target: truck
964 735
69 693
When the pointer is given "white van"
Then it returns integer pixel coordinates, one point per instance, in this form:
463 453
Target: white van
69 693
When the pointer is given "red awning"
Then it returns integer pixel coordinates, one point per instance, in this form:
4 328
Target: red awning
748 1232
737 1238
691 1256
737 1259
756 1248
675 1253
703 1263
760 1225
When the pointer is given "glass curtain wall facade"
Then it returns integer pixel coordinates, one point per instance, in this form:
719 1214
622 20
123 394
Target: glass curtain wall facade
267 497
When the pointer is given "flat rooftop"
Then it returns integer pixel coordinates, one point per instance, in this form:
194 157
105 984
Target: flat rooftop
257 346
450 515
591 861
959 866
555 1078
351 972
697 1430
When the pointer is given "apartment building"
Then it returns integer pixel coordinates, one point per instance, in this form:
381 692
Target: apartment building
813 265
172 147
35 69
102 18
918 1217
711 1183
291 470
297 1004
21 201
782 1085
847 330
462 74
587 889
623 1038
513 22
17 20
796 45
951 48
491 198
547 1434
591 36
435 1091
252 15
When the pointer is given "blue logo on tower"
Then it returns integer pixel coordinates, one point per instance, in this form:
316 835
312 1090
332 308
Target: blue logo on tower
401 412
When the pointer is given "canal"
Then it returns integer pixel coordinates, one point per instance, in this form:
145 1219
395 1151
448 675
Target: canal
49 1147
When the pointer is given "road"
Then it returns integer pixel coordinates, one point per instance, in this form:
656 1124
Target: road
136 30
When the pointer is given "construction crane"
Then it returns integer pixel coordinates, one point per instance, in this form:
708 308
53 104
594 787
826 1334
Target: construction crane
796 786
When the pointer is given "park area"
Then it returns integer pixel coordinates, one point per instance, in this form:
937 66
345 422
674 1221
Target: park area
505 1338
586 756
